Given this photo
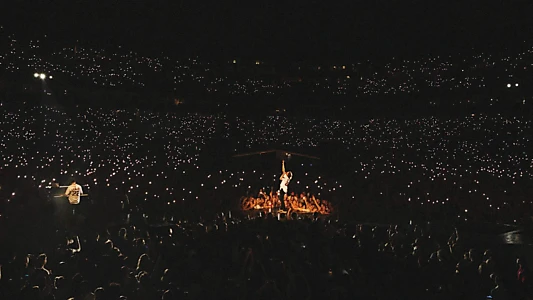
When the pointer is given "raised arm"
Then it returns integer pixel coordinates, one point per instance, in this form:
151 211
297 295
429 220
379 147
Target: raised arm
79 244
78 250
283 166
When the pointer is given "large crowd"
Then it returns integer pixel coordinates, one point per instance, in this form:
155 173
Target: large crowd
113 68
303 203
162 217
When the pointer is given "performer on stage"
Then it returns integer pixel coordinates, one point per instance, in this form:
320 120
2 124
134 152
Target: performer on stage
285 178
74 192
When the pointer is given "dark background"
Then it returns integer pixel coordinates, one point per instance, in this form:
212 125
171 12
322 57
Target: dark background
278 30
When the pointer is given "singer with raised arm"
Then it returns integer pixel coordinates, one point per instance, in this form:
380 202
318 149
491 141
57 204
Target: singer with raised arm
285 178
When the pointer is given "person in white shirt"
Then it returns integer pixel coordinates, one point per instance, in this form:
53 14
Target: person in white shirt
74 192
285 178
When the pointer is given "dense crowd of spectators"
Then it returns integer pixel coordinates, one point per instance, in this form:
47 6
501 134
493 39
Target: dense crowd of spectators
124 68
262 258
152 226
304 203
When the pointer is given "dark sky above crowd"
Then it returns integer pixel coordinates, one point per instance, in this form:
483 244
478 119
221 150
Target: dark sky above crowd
296 29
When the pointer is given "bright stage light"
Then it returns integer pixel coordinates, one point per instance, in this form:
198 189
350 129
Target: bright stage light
36 75
42 76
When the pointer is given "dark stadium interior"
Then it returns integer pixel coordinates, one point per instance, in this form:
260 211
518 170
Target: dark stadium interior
266 150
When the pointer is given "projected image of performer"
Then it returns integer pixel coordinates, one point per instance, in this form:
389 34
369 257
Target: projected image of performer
285 178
